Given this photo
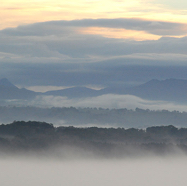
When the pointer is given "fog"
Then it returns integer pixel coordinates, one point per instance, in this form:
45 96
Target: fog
103 111
107 101
154 171
70 162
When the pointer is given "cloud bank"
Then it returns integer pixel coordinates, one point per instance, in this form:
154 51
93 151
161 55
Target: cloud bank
154 27
59 53
107 101
62 39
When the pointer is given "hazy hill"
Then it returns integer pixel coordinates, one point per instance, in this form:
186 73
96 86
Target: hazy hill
168 90
6 83
74 92
10 91
94 117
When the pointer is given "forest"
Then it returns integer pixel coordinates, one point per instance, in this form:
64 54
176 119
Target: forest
127 118
41 137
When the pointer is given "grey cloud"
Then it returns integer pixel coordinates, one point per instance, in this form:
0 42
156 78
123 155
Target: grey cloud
85 46
77 45
39 29
72 58
60 40
67 27
103 73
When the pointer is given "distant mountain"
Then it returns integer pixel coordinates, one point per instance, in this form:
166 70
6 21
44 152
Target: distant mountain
6 83
168 90
74 92
10 91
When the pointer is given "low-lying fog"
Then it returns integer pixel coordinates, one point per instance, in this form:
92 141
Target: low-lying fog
104 101
108 101
150 171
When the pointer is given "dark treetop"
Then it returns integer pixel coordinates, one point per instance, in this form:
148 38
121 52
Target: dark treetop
21 136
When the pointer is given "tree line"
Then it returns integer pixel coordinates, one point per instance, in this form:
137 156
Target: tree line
21 136
126 118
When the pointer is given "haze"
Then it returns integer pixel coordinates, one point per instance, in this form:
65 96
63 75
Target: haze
51 45
153 171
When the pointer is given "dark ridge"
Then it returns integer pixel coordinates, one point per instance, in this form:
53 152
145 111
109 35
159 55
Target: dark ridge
21 136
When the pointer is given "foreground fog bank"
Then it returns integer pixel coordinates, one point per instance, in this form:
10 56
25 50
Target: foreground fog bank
154 171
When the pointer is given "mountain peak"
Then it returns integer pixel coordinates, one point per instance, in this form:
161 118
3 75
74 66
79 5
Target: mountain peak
6 83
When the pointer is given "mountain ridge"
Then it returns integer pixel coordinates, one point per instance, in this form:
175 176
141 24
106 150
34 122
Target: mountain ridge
6 83
167 90
10 91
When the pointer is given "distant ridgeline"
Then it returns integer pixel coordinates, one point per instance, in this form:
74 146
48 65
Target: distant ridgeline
167 90
126 118
32 136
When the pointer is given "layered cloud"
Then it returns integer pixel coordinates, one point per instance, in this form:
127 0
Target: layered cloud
63 53
23 12
65 27
66 39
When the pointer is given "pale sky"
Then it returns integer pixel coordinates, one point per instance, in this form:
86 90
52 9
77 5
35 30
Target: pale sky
20 12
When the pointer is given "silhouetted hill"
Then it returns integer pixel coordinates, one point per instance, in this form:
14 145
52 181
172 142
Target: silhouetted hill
21 136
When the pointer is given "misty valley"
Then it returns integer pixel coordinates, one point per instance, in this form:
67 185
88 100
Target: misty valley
80 136
93 93
39 153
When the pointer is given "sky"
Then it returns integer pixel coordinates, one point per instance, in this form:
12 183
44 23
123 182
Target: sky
94 43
